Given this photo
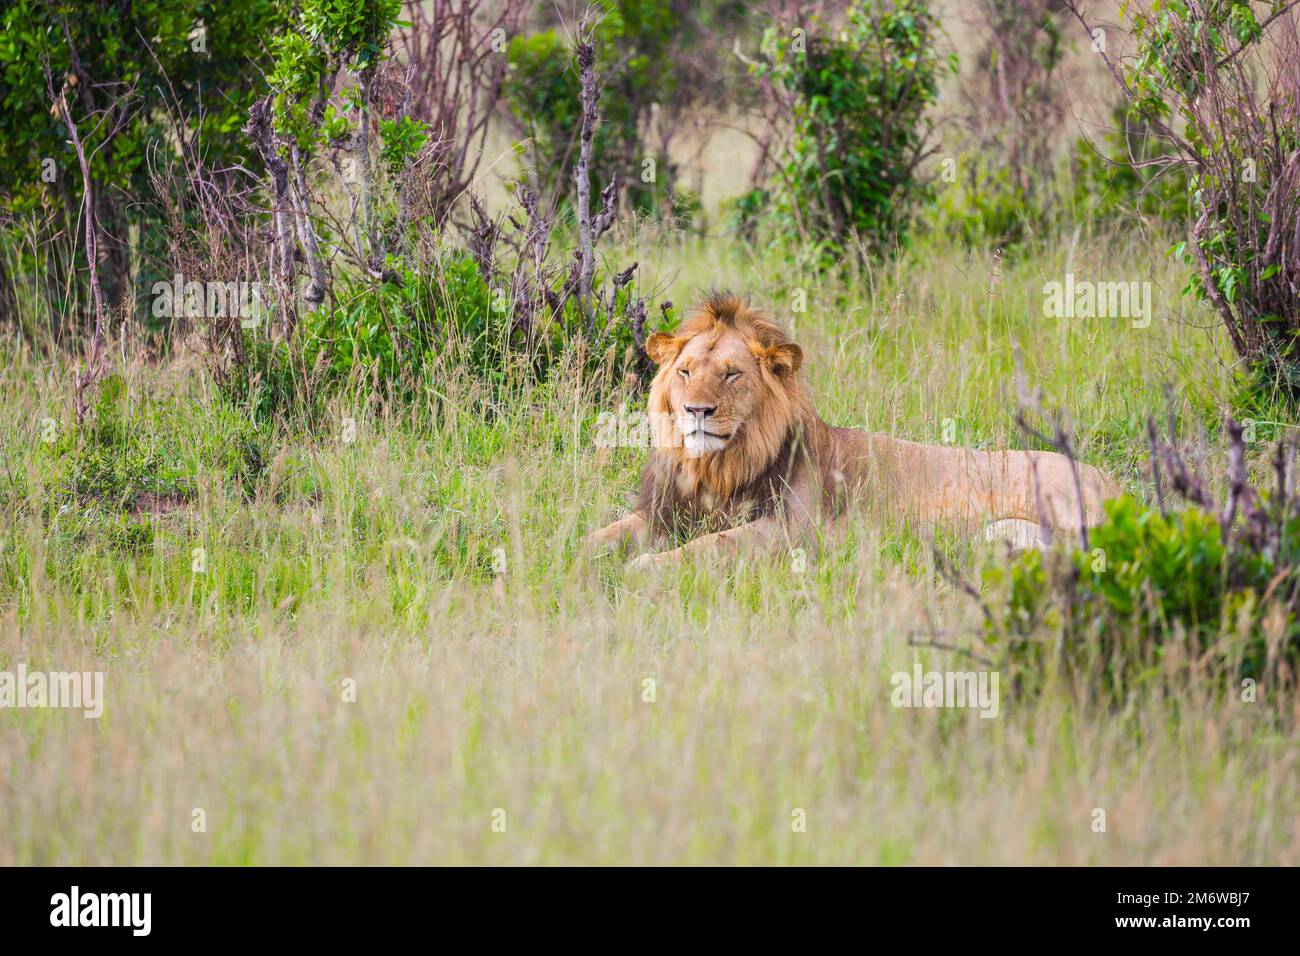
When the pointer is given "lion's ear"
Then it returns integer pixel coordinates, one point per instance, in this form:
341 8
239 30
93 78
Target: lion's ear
661 347
784 359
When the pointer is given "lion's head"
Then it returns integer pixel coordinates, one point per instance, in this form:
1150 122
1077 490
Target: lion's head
727 399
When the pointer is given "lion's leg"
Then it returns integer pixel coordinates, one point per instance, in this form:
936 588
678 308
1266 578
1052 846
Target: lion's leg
1020 534
1048 488
630 529
756 535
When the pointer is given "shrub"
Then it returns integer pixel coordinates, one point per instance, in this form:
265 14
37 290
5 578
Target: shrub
462 313
138 67
502 309
307 111
856 100
1001 191
637 39
1219 586
388 332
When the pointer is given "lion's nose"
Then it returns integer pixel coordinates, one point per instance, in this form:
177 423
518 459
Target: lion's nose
701 411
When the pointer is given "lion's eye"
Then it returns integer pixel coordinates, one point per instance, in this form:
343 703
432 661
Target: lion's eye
684 372
731 376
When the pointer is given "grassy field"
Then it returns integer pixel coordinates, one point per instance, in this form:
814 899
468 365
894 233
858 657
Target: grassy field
395 649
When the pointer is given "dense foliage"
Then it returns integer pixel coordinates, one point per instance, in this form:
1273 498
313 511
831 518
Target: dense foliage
638 39
1216 587
859 100
140 78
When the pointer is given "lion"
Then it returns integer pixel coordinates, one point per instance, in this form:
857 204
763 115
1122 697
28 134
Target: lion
741 459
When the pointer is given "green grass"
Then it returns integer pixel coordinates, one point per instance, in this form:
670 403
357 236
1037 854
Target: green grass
374 561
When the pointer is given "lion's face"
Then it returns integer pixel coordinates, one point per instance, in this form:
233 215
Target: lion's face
714 382
710 388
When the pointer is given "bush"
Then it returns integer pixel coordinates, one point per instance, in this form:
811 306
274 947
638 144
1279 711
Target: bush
857 103
1217 586
503 309
140 67
544 97
1001 188
461 313
389 331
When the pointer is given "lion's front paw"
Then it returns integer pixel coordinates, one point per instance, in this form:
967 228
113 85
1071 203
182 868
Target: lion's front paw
597 541
643 562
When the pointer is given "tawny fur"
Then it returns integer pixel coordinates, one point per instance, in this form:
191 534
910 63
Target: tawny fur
783 471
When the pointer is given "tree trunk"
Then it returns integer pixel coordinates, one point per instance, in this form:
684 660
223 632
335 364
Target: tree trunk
315 293
369 247
582 173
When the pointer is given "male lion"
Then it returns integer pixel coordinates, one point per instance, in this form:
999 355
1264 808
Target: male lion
741 458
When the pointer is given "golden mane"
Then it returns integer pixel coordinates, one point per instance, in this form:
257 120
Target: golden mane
783 406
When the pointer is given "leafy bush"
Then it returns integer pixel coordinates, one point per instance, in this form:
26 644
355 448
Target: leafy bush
308 110
389 331
857 101
636 38
503 309
1217 586
139 67
401 140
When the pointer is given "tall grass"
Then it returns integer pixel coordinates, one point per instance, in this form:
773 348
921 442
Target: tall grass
436 561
